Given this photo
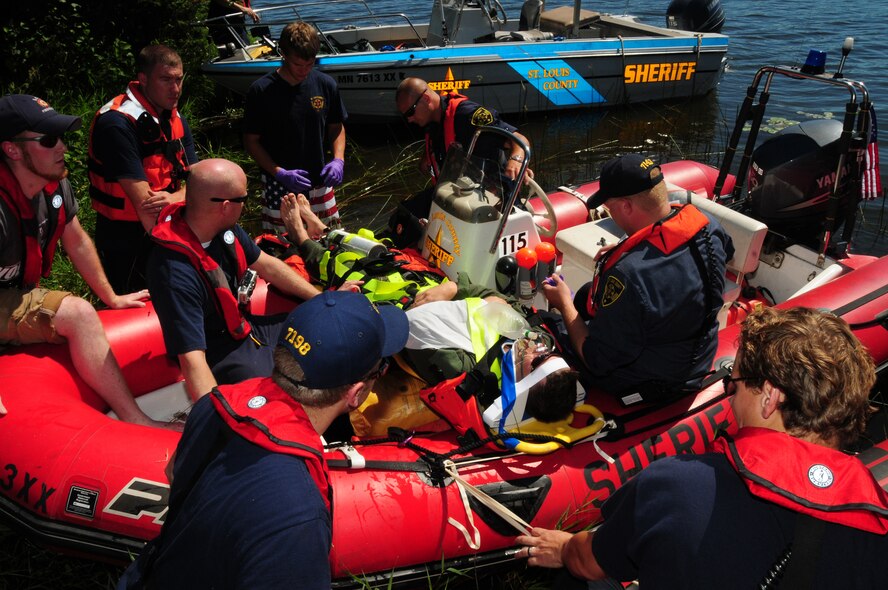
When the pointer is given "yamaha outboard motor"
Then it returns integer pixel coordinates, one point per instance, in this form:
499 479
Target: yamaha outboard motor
701 16
791 177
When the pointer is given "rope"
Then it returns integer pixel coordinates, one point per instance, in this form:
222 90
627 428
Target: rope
465 488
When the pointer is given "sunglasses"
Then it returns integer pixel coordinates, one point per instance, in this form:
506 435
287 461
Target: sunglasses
381 370
728 381
242 199
47 141
412 110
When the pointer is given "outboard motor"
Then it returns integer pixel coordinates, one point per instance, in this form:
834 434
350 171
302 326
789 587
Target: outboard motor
530 15
791 177
701 16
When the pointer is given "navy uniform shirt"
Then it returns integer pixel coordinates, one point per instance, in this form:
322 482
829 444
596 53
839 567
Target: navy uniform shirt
651 312
469 117
253 519
690 522
291 121
186 309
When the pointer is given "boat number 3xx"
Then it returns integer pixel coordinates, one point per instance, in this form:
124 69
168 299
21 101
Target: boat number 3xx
22 486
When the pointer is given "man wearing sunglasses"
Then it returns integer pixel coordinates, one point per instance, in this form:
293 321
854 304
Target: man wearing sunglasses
38 210
250 495
450 335
447 119
292 118
779 504
140 147
198 278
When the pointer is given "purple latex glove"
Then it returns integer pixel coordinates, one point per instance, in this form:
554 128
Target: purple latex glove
332 173
295 180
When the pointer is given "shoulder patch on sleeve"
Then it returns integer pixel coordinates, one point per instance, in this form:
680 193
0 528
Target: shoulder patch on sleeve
613 288
482 117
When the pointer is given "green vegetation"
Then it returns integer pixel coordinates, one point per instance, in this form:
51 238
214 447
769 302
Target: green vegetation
78 55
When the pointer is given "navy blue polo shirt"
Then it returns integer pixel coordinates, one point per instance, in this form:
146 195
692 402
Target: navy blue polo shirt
254 518
186 309
291 121
690 522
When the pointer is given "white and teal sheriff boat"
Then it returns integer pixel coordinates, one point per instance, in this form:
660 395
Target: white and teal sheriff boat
566 57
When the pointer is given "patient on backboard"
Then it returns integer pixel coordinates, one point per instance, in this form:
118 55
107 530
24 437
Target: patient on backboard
456 342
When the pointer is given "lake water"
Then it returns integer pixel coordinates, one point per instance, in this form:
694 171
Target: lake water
571 147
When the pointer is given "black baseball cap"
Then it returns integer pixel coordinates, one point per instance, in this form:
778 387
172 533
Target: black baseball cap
23 112
625 176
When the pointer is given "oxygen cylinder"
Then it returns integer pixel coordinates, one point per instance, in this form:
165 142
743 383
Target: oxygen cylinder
505 321
545 261
356 243
506 272
525 287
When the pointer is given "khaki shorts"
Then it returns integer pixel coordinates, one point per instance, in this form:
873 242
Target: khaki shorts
26 317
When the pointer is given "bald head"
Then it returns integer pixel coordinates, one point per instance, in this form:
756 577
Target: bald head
213 196
215 178
410 88
417 102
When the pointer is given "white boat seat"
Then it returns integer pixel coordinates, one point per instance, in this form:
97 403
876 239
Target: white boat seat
747 235
579 245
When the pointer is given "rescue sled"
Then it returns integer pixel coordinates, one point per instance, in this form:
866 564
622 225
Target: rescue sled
76 479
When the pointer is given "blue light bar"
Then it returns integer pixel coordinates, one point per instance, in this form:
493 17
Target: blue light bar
816 62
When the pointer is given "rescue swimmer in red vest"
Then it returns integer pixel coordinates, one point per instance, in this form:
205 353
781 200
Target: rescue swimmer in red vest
140 148
646 327
292 117
38 210
464 343
250 493
447 119
780 504
203 261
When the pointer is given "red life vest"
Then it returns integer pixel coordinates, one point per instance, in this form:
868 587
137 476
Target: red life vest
163 158
37 261
259 411
459 408
666 235
411 259
808 478
172 232
449 127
